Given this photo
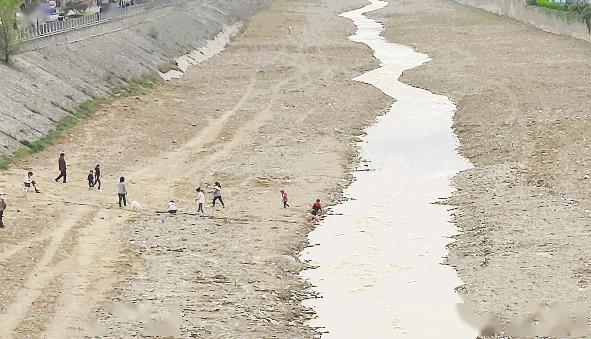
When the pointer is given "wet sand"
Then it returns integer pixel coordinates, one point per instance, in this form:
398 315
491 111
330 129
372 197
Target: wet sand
273 111
522 119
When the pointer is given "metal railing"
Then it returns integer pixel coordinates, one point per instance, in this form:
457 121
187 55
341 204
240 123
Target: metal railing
50 28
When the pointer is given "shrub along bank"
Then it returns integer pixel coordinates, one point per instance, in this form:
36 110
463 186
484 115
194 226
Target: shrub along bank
578 8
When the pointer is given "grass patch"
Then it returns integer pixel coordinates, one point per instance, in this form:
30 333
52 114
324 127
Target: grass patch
570 11
84 110
563 14
550 4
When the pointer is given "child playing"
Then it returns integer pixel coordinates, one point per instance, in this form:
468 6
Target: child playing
284 198
200 200
217 194
29 181
171 208
90 180
316 210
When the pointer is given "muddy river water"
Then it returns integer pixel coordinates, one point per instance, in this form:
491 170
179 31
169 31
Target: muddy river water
379 255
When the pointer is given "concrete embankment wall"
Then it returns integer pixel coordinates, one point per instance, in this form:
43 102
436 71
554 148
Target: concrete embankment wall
54 74
539 17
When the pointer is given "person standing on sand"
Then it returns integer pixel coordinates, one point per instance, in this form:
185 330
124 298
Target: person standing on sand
122 191
217 194
90 180
97 177
2 208
62 167
284 198
200 200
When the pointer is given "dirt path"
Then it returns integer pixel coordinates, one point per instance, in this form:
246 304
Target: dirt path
522 119
273 111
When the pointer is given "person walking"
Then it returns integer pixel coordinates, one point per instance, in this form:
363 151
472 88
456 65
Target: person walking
200 200
29 181
62 167
2 208
217 194
97 177
284 198
122 192
90 180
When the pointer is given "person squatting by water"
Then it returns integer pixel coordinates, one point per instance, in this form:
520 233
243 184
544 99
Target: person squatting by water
122 191
2 208
200 200
90 180
217 194
62 167
97 177
28 182
284 198
316 210
171 208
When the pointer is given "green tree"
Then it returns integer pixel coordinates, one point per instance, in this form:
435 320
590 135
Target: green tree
587 17
8 28
74 5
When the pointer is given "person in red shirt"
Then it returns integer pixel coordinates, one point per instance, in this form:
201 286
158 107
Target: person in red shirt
317 207
284 198
62 167
316 210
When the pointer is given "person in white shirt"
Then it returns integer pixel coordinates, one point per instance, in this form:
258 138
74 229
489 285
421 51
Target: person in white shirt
28 182
200 200
171 207
217 194
122 192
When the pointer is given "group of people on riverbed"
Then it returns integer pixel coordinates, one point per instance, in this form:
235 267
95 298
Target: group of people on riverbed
94 179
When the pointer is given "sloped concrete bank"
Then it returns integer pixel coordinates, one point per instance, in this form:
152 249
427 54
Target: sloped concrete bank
539 17
55 74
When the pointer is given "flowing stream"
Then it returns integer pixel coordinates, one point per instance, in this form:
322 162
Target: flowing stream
379 256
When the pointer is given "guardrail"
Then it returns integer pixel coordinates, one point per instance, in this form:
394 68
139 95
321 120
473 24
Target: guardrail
55 27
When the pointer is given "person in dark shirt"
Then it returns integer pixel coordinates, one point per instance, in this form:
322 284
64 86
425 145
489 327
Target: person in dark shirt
90 180
62 167
2 209
97 177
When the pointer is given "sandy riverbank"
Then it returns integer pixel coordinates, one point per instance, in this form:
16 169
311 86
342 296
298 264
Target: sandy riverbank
273 111
523 120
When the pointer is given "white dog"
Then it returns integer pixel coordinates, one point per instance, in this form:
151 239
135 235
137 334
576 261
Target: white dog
135 205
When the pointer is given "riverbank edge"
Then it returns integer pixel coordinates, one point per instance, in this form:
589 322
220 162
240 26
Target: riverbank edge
46 85
351 163
548 20
83 111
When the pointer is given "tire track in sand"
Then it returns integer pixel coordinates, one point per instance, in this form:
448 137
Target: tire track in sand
84 286
40 276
